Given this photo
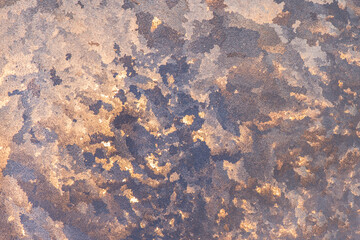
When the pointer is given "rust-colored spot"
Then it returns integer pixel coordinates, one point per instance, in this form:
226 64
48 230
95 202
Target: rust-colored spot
91 43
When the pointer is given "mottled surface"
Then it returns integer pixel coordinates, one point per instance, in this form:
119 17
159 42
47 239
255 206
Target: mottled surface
179 119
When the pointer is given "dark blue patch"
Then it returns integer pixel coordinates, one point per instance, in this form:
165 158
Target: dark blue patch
164 193
123 118
340 17
184 134
50 136
19 171
191 111
218 32
240 41
128 4
272 99
140 191
130 143
183 202
76 153
173 150
287 175
15 92
123 202
136 235
155 96
89 159
74 150
100 207
121 95
171 3
68 56
195 224
134 90
184 99
18 138
217 102
144 22
202 45
200 156
117 173
80 4
230 87
96 107
107 106
74 233
48 6
177 69
117 49
228 157
24 218
99 137
165 39
25 117
31 226
33 138
197 124
128 63
141 141
54 78
100 153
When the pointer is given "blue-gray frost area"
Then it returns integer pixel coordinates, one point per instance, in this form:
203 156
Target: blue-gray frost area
179 119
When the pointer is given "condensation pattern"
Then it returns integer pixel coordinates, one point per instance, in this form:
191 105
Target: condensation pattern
179 119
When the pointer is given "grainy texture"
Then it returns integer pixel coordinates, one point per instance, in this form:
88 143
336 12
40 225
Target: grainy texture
179 119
